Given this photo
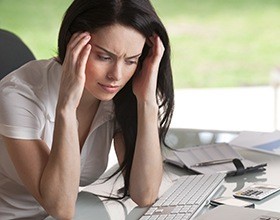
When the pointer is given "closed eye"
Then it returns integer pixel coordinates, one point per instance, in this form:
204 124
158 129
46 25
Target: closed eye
104 58
131 62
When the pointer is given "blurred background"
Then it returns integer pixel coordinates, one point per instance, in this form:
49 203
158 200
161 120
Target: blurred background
224 55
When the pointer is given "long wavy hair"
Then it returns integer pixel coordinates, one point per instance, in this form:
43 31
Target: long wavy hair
91 15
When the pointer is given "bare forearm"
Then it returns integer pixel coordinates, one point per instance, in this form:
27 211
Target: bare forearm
60 180
146 173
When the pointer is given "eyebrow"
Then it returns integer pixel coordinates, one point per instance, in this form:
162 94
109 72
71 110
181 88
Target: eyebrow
112 54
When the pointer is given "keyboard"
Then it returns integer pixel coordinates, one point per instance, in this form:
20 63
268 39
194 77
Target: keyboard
185 198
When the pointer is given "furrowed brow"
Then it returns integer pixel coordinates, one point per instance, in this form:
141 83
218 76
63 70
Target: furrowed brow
105 50
112 54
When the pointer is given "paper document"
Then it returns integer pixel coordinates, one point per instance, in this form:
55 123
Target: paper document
268 142
193 157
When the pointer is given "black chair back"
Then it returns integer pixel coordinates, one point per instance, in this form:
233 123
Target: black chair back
13 53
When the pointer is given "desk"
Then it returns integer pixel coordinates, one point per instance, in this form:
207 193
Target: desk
92 207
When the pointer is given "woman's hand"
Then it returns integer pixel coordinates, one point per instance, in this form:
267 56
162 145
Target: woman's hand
74 66
145 83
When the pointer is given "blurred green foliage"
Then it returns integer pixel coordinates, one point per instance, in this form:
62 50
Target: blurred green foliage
215 43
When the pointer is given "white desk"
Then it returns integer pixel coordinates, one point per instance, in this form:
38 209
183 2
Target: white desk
91 207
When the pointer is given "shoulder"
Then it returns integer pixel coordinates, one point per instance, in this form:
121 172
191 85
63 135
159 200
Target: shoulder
34 84
33 77
33 72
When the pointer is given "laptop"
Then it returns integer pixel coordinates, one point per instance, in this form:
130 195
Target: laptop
223 212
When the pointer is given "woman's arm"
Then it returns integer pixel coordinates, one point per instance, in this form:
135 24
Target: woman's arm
52 177
146 171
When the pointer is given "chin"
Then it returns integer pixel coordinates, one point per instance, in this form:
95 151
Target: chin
106 97
101 95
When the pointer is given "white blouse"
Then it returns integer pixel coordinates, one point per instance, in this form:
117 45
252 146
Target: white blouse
28 98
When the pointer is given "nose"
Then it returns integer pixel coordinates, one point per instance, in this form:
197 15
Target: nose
115 73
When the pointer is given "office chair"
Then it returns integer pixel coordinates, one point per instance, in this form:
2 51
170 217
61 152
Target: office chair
13 53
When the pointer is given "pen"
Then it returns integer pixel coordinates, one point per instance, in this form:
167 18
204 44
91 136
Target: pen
212 162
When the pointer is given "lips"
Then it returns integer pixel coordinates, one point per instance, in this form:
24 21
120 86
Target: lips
109 88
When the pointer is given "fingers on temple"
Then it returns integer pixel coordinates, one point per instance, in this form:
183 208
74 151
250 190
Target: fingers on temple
157 47
77 43
82 60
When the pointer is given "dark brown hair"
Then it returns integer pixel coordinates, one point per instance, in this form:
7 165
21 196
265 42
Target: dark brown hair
91 15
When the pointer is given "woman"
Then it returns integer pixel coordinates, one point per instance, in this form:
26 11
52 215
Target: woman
111 81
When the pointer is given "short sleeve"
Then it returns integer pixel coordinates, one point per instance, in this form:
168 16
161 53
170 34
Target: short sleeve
22 115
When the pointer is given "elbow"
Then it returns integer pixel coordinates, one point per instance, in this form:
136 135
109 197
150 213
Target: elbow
62 212
144 200
61 206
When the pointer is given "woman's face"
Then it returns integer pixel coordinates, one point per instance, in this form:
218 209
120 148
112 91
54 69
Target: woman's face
113 59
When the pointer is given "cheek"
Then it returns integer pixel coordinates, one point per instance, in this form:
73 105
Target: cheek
130 71
93 70
129 74
90 64
89 70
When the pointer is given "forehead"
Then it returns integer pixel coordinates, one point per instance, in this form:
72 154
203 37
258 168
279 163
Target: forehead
120 40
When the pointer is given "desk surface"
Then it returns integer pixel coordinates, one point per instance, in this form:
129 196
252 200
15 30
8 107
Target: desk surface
89 206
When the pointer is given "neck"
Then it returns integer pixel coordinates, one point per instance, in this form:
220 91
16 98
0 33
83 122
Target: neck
88 101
